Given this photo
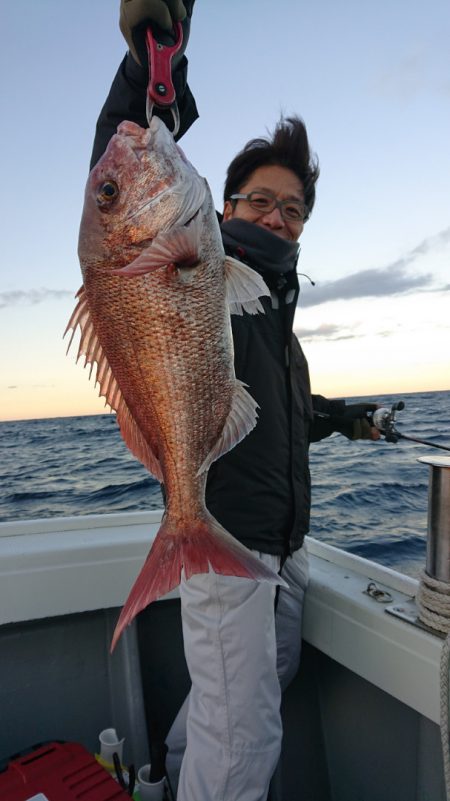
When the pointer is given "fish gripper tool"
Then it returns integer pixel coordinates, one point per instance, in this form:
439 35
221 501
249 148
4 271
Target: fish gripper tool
160 90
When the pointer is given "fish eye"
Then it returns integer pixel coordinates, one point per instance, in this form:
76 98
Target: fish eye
108 192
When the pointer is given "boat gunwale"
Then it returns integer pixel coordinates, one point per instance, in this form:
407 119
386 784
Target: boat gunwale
63 566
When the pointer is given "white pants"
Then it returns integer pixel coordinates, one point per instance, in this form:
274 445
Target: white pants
227 735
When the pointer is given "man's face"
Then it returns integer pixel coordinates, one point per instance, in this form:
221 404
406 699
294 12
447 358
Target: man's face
278 181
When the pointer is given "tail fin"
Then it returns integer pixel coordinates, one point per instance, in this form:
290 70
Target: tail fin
201 543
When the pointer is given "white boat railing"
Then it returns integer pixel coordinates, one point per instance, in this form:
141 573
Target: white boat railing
70 565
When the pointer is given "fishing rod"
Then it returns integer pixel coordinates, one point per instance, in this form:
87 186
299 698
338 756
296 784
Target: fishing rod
384 420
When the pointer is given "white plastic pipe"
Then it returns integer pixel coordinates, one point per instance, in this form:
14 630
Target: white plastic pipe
110 743
149 791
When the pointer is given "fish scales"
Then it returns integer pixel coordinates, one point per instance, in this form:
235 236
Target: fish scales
154 315
179 379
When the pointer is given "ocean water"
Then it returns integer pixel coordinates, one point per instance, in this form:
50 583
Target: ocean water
369 498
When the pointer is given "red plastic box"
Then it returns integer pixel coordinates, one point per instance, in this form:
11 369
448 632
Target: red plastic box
58 772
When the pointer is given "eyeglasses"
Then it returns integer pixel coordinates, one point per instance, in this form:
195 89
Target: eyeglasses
264 202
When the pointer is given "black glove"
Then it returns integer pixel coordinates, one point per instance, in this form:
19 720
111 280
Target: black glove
137 15
356 421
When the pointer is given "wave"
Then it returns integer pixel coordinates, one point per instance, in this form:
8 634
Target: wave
395 549
401 496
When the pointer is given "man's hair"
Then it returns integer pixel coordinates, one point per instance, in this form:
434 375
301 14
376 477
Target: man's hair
287 147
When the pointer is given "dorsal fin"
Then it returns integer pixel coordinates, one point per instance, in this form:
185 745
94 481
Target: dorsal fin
90 347
244 287
241 420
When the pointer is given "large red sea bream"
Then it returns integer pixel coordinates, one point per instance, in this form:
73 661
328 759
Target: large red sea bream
154 318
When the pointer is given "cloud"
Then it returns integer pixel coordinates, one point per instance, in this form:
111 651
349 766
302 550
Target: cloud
20 297
331 333
366 283
422 70
406 78
33 386
378 282
393 279
327 331
432 243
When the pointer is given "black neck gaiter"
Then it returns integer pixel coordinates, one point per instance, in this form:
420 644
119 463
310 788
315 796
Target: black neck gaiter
258 247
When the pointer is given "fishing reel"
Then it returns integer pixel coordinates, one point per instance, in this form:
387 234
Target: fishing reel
384 420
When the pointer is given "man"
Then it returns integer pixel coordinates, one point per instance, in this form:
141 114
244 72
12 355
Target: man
240 652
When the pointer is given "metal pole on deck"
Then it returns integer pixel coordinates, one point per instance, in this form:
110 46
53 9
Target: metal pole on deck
438 537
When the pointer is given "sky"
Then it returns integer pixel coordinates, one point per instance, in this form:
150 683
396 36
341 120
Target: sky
371 81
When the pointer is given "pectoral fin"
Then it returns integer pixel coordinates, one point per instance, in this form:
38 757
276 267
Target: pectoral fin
91 348
177 246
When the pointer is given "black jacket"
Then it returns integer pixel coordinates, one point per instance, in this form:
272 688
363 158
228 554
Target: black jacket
260 490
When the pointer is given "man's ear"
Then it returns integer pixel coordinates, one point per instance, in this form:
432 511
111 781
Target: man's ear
228 210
